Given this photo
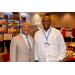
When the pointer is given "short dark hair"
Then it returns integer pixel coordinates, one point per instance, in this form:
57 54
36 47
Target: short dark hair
46 16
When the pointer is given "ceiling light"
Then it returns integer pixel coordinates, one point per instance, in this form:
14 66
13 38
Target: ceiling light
24 14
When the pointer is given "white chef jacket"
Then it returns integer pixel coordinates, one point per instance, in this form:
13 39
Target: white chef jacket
57 49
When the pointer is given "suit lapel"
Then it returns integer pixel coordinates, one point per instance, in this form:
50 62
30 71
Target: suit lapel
24 43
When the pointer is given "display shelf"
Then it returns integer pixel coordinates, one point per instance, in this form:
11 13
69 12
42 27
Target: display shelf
9 28
12 25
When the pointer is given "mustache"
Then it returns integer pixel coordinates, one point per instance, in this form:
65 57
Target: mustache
45 24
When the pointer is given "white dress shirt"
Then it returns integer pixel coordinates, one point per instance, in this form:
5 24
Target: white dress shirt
24 36
53 52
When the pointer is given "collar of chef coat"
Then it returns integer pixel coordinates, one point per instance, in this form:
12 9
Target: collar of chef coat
46 32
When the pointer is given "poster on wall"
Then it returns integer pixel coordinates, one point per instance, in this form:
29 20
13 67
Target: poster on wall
3 26
68 32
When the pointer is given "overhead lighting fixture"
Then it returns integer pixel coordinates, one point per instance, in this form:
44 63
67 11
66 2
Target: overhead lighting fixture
36 23
24 14
39 23
7 12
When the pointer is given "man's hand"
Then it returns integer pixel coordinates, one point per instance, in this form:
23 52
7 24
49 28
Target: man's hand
62 60
36 61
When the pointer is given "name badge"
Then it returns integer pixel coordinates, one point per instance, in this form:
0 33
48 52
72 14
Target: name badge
46 45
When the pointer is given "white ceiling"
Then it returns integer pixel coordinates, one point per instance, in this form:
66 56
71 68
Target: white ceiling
40 13
27 13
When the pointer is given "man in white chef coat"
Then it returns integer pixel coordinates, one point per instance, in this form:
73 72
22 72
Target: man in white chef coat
49 43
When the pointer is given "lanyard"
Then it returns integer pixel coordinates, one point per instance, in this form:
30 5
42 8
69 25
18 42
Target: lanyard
47 35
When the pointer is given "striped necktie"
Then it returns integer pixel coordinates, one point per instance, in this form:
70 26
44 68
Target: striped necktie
29 46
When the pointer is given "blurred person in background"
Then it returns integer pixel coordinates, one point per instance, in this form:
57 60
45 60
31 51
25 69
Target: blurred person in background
49 43
22 46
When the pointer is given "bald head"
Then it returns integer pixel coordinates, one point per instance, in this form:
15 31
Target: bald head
25 28
25 23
